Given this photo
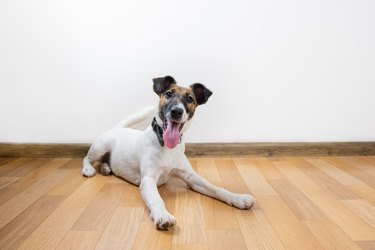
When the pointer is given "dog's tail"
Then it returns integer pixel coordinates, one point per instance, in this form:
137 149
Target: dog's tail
147 113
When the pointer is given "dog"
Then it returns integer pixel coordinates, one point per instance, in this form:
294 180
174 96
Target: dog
149 158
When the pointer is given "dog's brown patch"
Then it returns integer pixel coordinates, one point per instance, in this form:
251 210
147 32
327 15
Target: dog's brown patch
176 94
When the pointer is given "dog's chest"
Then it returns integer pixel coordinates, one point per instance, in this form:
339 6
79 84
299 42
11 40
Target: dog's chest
167 161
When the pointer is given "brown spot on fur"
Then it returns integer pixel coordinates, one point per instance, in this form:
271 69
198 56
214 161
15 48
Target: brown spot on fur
179 94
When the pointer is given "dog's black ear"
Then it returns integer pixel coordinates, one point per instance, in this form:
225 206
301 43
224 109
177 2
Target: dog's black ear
162 83
201 93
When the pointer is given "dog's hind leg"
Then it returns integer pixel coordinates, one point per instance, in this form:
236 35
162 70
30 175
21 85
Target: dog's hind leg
105 168
97 152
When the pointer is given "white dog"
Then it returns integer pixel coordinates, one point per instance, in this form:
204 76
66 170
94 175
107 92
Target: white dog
149 158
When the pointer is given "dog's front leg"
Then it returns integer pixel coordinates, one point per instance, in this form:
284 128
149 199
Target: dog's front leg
162 218
201 185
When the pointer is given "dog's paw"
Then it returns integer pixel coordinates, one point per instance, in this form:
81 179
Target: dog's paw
105 169
243 201
88 171
165 222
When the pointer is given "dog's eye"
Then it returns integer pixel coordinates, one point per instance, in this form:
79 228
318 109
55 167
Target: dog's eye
189 99
168 94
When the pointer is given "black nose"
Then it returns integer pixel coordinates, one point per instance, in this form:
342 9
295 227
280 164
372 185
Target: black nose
176 113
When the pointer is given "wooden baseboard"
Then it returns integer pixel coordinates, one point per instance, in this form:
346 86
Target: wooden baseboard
49 150
205 149
282 149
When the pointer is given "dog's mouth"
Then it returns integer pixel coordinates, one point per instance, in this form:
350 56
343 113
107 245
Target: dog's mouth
172 132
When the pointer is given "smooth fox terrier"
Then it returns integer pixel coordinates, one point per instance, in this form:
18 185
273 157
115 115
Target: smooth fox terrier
149 158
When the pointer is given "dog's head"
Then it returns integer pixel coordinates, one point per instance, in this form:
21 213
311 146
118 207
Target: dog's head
177 106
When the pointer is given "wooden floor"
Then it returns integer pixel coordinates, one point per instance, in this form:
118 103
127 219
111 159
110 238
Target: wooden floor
302 203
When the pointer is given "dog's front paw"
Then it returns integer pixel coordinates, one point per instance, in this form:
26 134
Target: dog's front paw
88 171
243 201
165 221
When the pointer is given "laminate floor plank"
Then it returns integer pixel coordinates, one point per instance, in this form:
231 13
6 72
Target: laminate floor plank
124 225
80 240
54 229
24 183
325 181
10 166
148 237
97 214
21 227
257 230
290 229
330 235
355 171
24 199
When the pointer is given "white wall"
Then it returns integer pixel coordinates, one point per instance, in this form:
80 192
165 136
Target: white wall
280 70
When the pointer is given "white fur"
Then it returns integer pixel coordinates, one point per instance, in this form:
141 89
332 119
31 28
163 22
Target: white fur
129 122
137 157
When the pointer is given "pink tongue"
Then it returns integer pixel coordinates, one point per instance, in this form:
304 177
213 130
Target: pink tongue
172 134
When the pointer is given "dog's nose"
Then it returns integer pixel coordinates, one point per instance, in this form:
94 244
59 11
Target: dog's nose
176 113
